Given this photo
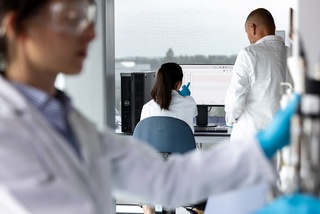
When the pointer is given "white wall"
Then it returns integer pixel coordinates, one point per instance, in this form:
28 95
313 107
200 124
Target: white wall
309 29
93 90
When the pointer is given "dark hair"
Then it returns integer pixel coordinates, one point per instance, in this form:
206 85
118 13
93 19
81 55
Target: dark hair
24 9
167 77
264 17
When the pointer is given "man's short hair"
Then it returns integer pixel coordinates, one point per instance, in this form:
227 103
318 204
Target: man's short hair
263 17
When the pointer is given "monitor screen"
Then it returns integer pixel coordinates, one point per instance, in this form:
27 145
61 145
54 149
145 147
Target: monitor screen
208 83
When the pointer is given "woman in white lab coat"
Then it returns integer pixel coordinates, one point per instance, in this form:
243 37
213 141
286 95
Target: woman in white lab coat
166 98
53 160
168 101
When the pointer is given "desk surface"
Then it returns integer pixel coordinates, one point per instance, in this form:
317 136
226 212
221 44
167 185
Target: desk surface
203 136
197 134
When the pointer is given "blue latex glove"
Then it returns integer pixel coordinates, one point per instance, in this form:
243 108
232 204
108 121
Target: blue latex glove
294 204
277 134
185 90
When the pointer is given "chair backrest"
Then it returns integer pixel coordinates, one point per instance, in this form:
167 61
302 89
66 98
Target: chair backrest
166 134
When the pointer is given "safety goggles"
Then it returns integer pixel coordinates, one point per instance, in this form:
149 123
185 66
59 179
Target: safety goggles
71 17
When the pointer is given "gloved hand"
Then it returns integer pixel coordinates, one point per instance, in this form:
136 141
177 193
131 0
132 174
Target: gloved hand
294 204
277 134
185 90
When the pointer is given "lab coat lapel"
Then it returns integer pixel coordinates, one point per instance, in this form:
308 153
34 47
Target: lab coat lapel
56 146
92 149
52 149
94 156
84 135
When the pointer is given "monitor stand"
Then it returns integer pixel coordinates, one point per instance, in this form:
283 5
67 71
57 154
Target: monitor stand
202 117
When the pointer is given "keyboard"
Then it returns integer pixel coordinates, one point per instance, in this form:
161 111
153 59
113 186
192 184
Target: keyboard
210 129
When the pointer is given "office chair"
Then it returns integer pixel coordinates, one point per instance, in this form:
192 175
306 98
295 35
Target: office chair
166 134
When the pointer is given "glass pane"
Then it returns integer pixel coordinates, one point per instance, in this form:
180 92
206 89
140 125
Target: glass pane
151 32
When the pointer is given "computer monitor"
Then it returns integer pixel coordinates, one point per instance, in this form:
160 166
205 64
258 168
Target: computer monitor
208 85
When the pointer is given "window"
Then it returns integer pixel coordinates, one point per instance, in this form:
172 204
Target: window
151 32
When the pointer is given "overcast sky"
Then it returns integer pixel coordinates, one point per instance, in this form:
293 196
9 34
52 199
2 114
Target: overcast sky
208 27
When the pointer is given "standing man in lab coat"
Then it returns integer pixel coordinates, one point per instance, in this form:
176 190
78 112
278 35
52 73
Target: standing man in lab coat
254 94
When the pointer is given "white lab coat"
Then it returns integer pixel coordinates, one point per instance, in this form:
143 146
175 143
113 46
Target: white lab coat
44 175
183 108
255 92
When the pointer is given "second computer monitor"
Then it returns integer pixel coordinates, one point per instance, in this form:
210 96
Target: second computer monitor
208 83
208 86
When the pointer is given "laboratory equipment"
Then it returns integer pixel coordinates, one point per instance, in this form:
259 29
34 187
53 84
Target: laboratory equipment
299 164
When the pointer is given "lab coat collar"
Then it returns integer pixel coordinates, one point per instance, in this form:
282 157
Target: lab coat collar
275 38
174 93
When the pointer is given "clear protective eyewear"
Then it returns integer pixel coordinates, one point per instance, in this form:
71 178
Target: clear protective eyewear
71 17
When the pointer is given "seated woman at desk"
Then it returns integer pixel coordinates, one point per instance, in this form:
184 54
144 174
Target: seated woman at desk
167 100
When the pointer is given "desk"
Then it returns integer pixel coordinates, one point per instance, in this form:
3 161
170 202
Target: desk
204 140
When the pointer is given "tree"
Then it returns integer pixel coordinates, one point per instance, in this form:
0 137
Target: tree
169 56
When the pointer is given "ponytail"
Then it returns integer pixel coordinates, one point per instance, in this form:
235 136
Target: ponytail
168 76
